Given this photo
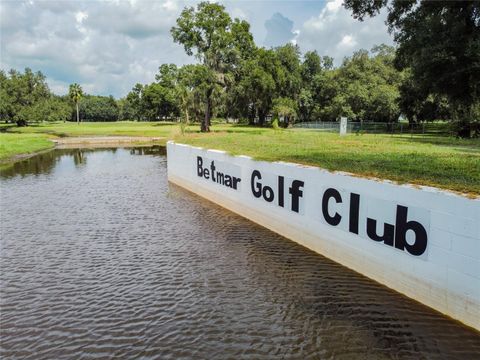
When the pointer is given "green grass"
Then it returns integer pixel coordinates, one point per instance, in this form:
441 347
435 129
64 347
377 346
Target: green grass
16 144
443 162
433 160
125 128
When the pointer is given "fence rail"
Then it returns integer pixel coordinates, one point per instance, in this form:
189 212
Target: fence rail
378 127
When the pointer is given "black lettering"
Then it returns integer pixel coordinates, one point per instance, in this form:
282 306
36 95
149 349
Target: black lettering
281 187
256 188
268 193
220 178
296 194
199 166
401 228
228 180
388 232
331 193
206 173
212 168
235 182
353 216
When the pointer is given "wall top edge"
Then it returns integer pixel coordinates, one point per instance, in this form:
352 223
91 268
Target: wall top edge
429 189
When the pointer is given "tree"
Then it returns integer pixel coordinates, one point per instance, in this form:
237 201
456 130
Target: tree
327 62
6 102
364 87
306 104
187 83
310 68
256 85
285 108
368 86
132 106
21 91
218 42
167 75
75 93
160 98
289 56
99 108
158 102
52 108
439 41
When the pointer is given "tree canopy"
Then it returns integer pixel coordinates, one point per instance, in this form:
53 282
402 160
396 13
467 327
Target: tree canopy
439 43
433 73
219 43
25 97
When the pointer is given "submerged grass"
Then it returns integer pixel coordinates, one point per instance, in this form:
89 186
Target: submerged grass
439 161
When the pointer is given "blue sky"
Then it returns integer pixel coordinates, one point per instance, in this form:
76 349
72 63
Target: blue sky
108 46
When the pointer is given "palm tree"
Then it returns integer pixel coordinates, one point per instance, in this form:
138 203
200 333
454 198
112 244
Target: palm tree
75 92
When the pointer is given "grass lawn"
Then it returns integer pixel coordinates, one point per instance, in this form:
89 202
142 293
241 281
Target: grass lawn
444 162
16 144
125 128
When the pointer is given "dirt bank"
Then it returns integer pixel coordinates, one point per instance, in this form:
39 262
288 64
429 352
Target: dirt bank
100 141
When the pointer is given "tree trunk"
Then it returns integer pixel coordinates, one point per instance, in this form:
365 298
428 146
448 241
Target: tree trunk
205 127
185 104
287 121
261 118
251 117
78 115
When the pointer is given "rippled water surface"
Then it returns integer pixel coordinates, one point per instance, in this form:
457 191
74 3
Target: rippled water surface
102 258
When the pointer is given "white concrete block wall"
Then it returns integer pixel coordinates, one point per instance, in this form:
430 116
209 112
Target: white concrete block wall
446 276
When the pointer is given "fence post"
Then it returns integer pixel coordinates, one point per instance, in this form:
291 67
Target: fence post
343 126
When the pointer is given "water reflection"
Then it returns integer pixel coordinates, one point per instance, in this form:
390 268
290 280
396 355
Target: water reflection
44 163
149 150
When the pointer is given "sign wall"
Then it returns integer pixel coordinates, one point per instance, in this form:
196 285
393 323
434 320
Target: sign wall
424 242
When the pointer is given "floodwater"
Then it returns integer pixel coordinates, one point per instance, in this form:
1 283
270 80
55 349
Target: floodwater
102 258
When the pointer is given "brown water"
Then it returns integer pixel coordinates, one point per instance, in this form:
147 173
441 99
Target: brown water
102 258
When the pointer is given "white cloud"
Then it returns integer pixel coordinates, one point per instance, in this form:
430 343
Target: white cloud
80 16
348 41
108 46
335 33
296 34
238 13
334 6
170 5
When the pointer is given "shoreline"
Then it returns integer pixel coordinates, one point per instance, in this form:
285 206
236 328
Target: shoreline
103 141
87 141
440 161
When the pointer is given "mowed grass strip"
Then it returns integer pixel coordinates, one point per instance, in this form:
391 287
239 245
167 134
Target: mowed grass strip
12 145
447 163
125 128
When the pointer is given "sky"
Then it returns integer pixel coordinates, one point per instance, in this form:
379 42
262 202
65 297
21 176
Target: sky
109 46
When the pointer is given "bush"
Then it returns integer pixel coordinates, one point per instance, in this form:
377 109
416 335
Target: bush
275 123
